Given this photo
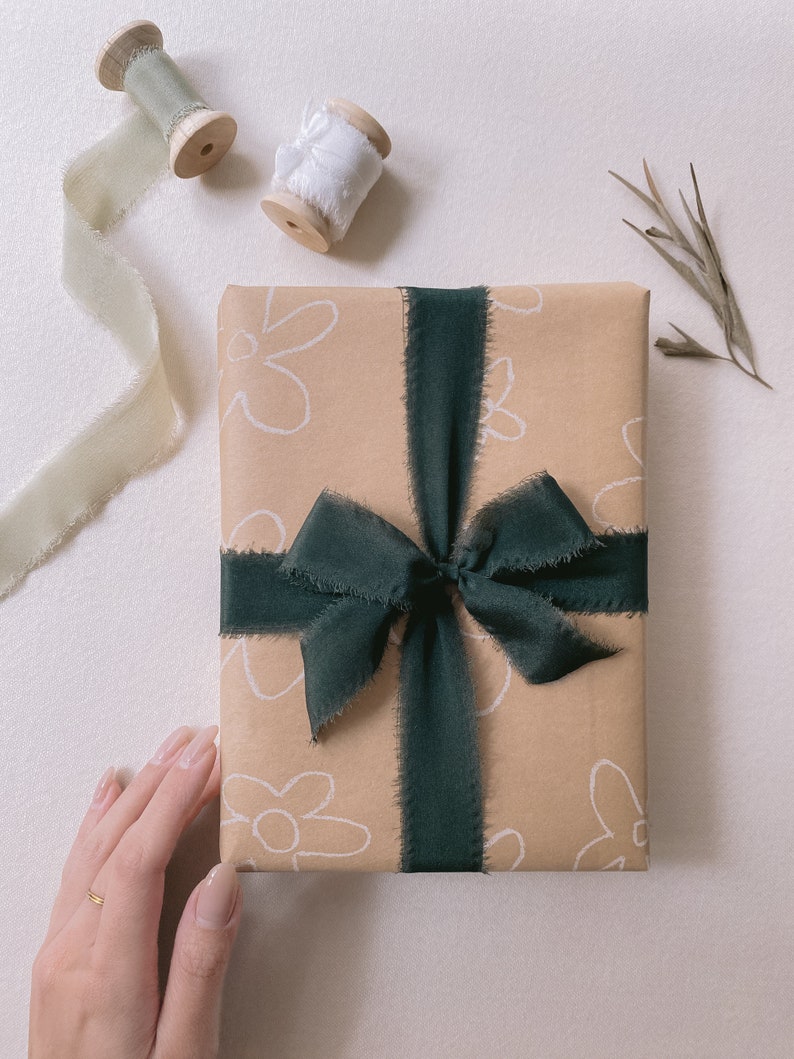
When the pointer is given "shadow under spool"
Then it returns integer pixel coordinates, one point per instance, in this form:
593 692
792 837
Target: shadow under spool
198 139
302 222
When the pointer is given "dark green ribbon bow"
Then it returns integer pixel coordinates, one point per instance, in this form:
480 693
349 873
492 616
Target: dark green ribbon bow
524 558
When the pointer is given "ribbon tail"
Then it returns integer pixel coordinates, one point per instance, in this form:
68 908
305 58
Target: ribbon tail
538 639
342 651
439 757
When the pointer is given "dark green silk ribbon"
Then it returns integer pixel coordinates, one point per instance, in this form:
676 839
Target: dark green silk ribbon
524 559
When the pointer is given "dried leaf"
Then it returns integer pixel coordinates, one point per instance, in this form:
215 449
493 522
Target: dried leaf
681 268
690 341
710 269
672 349
675 352
657 233
703 221
676 234
690 347
737 329
739 334
640 194
700 236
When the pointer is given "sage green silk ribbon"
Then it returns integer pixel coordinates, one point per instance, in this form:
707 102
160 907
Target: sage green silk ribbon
160 89
524 559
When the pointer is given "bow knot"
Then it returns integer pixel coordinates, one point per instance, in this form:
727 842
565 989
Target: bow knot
449 572
434 586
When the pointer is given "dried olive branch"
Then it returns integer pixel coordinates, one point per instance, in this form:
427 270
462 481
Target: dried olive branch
709 281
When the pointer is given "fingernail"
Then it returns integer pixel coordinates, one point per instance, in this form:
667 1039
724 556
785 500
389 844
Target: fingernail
217 897
199 745
103 785
172 743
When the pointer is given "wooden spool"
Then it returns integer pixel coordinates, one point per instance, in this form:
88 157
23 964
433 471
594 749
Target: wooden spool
201 138
303 223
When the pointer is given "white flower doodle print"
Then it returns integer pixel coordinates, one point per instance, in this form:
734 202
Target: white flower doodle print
630 427
497 421
624 838
286 396
505 836
241 649
521 310
288 822
251 523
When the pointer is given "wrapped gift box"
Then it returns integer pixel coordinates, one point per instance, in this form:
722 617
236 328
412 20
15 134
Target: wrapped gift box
313 396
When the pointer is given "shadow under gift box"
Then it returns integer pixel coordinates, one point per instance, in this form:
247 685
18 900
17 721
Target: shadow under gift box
312 397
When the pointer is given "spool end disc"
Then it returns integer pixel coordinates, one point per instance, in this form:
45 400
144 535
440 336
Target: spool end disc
364 122
299 221
200 140
115 54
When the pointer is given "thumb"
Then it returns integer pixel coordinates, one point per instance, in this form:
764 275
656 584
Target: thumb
190 1016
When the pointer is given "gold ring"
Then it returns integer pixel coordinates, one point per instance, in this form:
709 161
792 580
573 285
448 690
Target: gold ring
95 897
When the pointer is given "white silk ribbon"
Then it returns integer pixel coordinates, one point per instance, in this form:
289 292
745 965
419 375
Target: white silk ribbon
331 165
139 427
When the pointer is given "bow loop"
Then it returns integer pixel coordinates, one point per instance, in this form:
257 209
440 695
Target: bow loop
345 547
531 526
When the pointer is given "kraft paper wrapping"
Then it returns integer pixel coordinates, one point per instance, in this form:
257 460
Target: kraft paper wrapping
311 397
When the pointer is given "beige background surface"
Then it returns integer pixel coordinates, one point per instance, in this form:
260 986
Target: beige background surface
505 117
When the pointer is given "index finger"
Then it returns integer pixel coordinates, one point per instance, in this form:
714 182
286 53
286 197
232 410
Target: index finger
132 879
104 825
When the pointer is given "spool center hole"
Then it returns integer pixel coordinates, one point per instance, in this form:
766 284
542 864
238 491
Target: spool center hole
205 150
292 224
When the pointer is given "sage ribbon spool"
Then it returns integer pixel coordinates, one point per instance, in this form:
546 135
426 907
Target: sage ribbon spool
133 61
172 127
322 178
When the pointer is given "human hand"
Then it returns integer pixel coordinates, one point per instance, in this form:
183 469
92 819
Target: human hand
94 988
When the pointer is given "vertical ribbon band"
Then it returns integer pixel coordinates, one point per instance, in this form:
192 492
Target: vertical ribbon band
439 757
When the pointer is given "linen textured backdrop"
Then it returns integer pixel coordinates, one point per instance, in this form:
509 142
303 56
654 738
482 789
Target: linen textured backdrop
505 117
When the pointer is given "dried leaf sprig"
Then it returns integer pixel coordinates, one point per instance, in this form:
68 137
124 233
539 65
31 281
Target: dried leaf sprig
709 281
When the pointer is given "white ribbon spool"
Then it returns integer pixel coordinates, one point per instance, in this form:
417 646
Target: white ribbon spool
322 178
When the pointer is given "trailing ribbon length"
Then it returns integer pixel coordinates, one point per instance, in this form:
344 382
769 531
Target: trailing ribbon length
139 427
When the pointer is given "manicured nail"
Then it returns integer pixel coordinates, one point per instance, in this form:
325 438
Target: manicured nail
197 748
172 743
103 786
217 897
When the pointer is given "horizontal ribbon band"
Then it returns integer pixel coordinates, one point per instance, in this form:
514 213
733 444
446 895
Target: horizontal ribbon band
523 560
